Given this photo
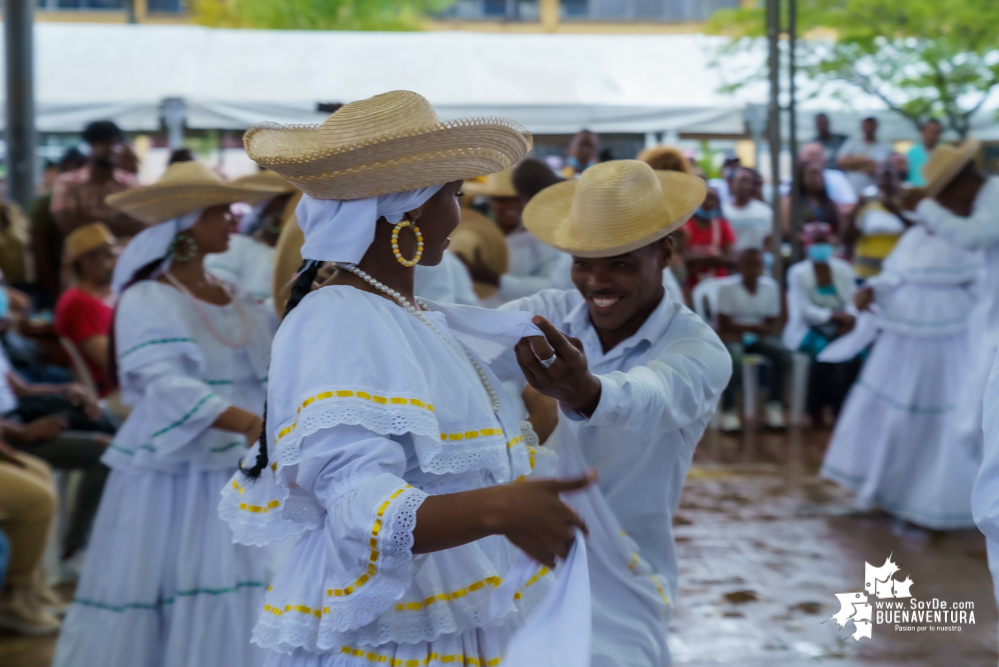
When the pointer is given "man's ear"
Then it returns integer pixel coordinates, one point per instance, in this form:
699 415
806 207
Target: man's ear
666 251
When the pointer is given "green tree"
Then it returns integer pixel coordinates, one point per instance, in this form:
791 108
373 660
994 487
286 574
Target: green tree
316 14
922 58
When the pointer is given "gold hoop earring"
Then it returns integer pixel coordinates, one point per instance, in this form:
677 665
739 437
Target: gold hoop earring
395 244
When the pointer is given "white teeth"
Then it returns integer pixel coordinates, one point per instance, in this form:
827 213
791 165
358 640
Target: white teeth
603 303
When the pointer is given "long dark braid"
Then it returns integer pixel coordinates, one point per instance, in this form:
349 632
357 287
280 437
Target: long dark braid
302 286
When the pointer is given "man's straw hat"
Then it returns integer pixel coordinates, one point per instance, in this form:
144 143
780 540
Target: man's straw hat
613 208
946 162
499 184
267 179
183 188
477 233
388 143
86 239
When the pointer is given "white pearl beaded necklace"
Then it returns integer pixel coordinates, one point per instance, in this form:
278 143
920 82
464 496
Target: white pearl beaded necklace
494 400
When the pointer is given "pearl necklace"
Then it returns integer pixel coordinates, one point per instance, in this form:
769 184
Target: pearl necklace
494 399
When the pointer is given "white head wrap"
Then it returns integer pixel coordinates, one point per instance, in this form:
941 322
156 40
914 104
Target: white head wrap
150 244
342 230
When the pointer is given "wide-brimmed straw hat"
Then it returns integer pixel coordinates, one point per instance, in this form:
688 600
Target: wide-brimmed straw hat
946 162
267 179
477 234
86 239
183 188
388 143
613 208
499 184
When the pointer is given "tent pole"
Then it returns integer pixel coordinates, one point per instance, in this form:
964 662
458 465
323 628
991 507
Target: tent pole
21 138
773 128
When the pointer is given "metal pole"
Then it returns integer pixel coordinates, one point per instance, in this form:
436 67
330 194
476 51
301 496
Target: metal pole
18 21
792 45
773 128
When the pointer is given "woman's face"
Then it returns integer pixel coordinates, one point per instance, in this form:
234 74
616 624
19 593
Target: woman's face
211 231
438 218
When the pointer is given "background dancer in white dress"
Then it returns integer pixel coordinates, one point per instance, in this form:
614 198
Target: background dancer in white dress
636 385
962 205
395 435
163 584
893 442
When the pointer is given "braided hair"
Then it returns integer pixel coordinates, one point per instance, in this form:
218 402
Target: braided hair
302 286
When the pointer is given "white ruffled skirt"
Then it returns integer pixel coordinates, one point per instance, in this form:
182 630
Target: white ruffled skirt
163 585
894 442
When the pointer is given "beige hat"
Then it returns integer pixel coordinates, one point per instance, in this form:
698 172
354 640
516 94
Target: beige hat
499 184
478 234
85 239
387 143
613 208
183 188
267 179
665 158
946 162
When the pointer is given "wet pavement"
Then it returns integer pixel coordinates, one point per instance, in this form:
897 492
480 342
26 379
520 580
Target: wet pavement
764 546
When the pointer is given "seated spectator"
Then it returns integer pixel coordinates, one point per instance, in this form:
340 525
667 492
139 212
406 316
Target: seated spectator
707 242
837 185
46 239
723 185
828 140
78 196
16 259
820 309
748 312
751 219
930 133
64 426
583 153
814 202
84 312
28 504
877 223
860 156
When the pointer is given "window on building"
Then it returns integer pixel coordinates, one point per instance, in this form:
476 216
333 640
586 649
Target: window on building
492 10
643 10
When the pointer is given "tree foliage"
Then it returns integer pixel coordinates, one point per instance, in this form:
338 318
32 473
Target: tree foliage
316 14
922 58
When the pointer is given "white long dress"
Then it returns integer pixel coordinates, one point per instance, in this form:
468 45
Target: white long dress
365 420
163 584
893 442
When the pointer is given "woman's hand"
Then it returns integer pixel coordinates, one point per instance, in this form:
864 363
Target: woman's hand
568 379
43 428
532 516
863 298
81 397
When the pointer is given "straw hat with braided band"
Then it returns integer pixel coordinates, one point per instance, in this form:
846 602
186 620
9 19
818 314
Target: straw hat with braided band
183 188
392 142
613 208
946 162
499 184
478 235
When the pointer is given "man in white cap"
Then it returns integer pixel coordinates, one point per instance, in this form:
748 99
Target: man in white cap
962 206
637 377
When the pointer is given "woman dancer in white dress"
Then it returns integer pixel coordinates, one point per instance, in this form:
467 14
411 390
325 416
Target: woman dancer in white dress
163 584
389 443
893 443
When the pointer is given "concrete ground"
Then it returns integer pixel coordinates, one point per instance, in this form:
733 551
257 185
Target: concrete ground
764 546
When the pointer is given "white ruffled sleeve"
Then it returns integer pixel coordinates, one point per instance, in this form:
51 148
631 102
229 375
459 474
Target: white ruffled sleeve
160 368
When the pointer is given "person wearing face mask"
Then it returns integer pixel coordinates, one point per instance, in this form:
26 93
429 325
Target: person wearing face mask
249 261
820 309
708 241
583 153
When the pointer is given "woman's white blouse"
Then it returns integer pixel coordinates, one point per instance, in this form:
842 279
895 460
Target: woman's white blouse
806 307
178 378
369 412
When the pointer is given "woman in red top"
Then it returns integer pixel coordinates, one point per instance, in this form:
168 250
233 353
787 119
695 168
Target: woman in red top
84 312
708 240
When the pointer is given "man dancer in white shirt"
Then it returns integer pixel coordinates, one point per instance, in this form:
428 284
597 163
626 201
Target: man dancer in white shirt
637 377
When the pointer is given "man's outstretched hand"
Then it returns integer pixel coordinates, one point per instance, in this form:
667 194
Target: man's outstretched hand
568 379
